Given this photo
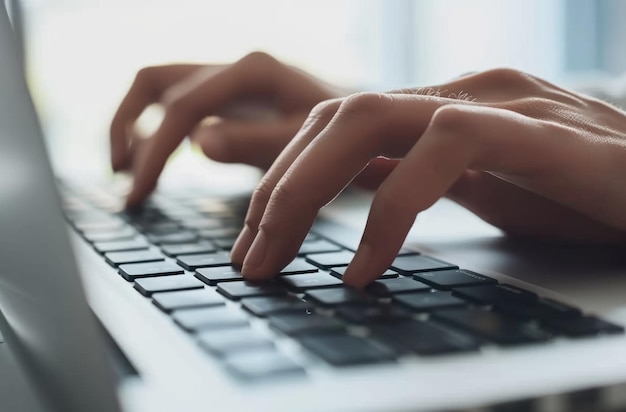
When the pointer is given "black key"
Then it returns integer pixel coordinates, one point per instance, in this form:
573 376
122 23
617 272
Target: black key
582 326
143 270
424 338
367 313
491 325
419 263
220 317
406 251
231 341
386 287
542 309
226 244
337 296
220 233
238 290
340 271
300 283
448 279
298 266
173 238
328 260
202 223
318 246
264 306
341 350
342 235
213 276
261 364
139 256
157 228
192 262
188 249
183 216
148 286
311 237
168 301
492 294
103 225
99 236
212 208
428 301
121 245
300 324
550 308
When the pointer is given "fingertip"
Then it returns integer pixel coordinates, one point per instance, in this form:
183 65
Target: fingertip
119 140
266 258
133 201
256 273
360 271
116 163
136 197
355 279
255 257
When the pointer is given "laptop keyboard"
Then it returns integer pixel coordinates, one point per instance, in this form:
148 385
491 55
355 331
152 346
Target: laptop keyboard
175 252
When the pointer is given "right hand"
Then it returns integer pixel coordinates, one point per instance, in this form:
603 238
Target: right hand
190 93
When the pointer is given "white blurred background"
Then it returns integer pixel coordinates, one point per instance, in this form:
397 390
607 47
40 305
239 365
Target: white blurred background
83 54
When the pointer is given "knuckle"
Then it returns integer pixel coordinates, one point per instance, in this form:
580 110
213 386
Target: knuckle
365 104
461 128
261 194
258 201
280 199
386 202
283 194
144 82
325 110
509 78
259 58
175 104
536 107
289 195
257 68
144 75
452 119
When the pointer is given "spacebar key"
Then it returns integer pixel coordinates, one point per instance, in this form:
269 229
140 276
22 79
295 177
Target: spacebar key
143 270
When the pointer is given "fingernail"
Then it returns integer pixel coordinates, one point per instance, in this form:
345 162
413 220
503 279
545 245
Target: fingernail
256 254
242 245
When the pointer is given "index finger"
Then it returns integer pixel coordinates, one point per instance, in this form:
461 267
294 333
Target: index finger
186 105
365 126
147 88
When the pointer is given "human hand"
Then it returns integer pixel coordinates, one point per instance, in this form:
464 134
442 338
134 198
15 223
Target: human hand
530 157
234 93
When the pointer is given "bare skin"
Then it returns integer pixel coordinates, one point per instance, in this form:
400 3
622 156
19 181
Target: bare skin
191 93
525 155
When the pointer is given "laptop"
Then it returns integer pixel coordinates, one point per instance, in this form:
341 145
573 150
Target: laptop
104 310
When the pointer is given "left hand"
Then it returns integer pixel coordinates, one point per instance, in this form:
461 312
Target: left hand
255 106
523 154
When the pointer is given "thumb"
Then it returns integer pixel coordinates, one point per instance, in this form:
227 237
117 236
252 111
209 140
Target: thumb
256 143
